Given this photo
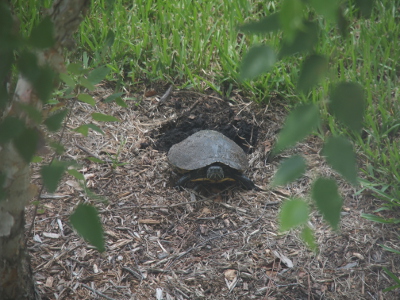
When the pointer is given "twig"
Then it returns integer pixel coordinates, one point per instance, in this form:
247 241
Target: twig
166 95
96 292
155 270
92 154
47 264
193 106
134 273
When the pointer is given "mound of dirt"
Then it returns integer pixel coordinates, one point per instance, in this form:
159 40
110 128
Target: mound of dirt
207 113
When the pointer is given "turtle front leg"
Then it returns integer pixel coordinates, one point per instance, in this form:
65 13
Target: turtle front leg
246 182
182 181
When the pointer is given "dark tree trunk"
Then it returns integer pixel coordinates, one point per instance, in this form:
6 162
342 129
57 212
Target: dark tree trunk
15 271
16 277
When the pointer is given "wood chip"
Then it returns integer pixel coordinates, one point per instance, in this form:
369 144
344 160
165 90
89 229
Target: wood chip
149 221
285 260
49 282
51 235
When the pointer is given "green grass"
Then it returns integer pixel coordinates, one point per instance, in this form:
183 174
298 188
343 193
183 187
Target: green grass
179 41
195 44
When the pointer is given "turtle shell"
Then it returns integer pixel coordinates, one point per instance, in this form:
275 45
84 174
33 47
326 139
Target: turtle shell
204 148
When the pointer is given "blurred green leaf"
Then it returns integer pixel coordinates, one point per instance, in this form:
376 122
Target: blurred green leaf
109 38
267 24
54 122
260 59
26 143
365 7
308 237
6 62
10 128
86 222
304 40
67 80
340 155
312 71
36 159
4 96
294 212
329 9
98 74
6 20
41 77
52 174
95 160
94 196
34 114
347 104
113 97
291 18
120 102
58 148
76 174
326 196
3 177
87 84
343 23
75 68
84 129
44 83
42 35
95 128
289 170
104 118
28 65
300 122
87 99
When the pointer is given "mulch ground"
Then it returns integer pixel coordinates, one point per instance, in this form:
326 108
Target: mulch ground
204 242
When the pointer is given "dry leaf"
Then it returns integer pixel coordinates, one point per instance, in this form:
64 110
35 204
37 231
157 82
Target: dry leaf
206 211
230 274
150 93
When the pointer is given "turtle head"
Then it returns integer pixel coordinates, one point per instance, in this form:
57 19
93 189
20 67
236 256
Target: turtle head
215 173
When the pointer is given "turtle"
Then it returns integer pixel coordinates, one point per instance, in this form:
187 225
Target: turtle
209 156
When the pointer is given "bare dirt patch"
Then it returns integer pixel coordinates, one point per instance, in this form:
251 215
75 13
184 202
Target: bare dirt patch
168 244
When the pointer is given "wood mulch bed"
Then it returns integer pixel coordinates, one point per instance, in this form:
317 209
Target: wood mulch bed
204 242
